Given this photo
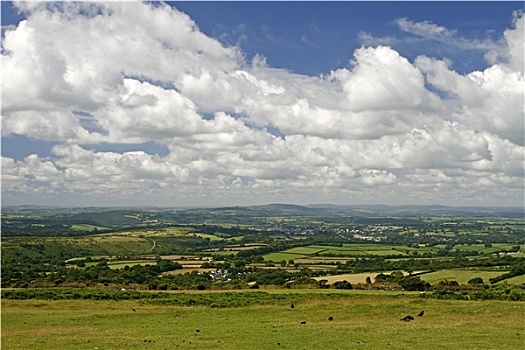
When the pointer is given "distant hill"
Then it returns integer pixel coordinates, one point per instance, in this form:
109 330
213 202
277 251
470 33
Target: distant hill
424 210
112 217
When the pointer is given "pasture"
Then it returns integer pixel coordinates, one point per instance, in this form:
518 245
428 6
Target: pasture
281 256
367 250
360 321
462 276
86 227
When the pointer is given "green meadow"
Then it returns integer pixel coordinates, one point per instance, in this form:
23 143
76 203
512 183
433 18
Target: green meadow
361 250
359 321
277 257
462 276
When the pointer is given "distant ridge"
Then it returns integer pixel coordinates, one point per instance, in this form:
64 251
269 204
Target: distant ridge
368 210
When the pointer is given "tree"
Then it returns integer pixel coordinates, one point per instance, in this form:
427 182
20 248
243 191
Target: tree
323 284
343 285
414 283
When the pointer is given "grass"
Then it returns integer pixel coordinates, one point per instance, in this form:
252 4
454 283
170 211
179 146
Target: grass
277 257
86 227
157 232
346 253
484 250
322 260
360 321
120 264
386 253
367 249
516 280
304 250
462 276
224 252
234 238
206 235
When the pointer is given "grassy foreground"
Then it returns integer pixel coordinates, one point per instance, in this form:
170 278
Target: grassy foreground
359 322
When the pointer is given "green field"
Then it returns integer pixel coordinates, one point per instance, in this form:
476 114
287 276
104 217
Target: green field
345 253
365 249
484 250
120 264
462 276
516 280
224 252
360 321
86 227
384 250
211 237
277 257
304 250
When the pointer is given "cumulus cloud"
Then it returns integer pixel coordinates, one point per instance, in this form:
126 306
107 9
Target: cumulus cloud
515 43
85 64
491 100
383 80
237 132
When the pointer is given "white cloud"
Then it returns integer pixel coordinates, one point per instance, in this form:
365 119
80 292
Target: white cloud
437 33
383 80
82 65
491 100
426 29
42 125
515 42
239 133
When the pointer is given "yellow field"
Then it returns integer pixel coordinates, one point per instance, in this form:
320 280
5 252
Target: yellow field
353 278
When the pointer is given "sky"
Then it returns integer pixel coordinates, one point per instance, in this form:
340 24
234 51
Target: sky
184 104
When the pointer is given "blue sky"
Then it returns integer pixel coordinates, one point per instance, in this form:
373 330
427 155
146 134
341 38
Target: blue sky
233 103
315 37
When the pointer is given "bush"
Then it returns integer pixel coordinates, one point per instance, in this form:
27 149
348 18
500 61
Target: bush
476 281
414 284
343 285
500 292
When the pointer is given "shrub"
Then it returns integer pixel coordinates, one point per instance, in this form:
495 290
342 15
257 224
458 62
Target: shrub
476 280
343 285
